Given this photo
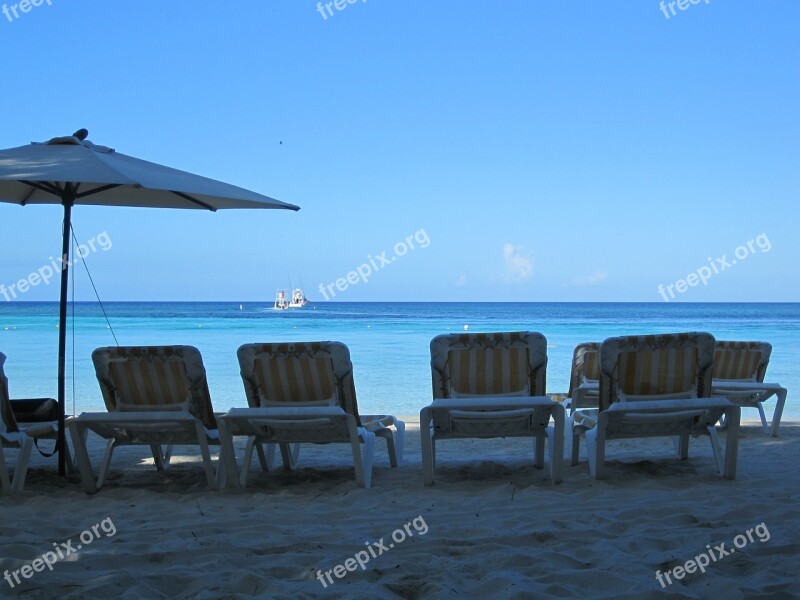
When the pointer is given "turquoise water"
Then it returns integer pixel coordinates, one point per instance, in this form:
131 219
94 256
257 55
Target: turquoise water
388 341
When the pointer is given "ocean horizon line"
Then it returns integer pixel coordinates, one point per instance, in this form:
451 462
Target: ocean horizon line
336 302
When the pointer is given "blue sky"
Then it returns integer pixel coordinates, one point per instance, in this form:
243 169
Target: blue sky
549 151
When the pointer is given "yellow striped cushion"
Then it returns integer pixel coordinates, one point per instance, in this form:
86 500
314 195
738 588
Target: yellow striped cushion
591 365
736 363
652 372
142 384
298 379
489 371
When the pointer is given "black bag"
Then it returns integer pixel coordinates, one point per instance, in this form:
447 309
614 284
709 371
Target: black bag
35 410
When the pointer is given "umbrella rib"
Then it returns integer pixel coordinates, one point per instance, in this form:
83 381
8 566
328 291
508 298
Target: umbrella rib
194 201
97 190
45 186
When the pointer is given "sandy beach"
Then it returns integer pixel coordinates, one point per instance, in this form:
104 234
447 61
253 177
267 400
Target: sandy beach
491 526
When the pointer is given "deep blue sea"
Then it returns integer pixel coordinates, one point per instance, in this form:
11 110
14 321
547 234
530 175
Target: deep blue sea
389 342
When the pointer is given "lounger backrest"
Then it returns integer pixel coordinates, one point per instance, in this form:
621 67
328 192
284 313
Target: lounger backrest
585 364
154 378
747 361
655 365
301 380
8 423
489 364
298 374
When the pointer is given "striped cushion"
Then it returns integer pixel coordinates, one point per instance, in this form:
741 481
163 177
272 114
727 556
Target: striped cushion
737 363
655 365
489 371
143 384
653 372
303 379
591 365
585 365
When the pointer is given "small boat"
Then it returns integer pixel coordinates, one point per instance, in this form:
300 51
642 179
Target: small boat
298 299
280 300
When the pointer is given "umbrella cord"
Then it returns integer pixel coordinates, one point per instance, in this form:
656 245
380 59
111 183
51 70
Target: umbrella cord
94 287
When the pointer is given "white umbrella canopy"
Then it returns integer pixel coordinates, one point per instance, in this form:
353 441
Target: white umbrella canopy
41 173
71 170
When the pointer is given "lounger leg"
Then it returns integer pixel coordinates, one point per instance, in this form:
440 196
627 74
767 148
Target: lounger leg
286 456
158 457
567 432
361 462
716 449
22 464
732 442
682 445
202 441
79 435
69 460
776 416
390 445
394 442
248 457
368 457
426 436
555 436
265 458
538 451
167 455
399 442
228 456
106 464
576 445
596 448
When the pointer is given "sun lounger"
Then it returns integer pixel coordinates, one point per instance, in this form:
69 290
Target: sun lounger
490 385
657 385
155 395
584 381
739 371
11 437
22 436
304 392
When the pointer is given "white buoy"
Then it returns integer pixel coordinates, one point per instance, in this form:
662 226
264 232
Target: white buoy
466 327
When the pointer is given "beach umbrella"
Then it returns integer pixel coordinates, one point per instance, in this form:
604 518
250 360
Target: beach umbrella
71 170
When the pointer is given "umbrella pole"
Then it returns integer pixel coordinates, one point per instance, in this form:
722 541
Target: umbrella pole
68 201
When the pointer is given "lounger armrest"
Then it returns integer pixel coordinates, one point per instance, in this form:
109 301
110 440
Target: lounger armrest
285 413
644 406
492 403
135 417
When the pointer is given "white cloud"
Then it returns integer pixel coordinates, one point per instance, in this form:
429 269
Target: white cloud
517 266
462 280
593 279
